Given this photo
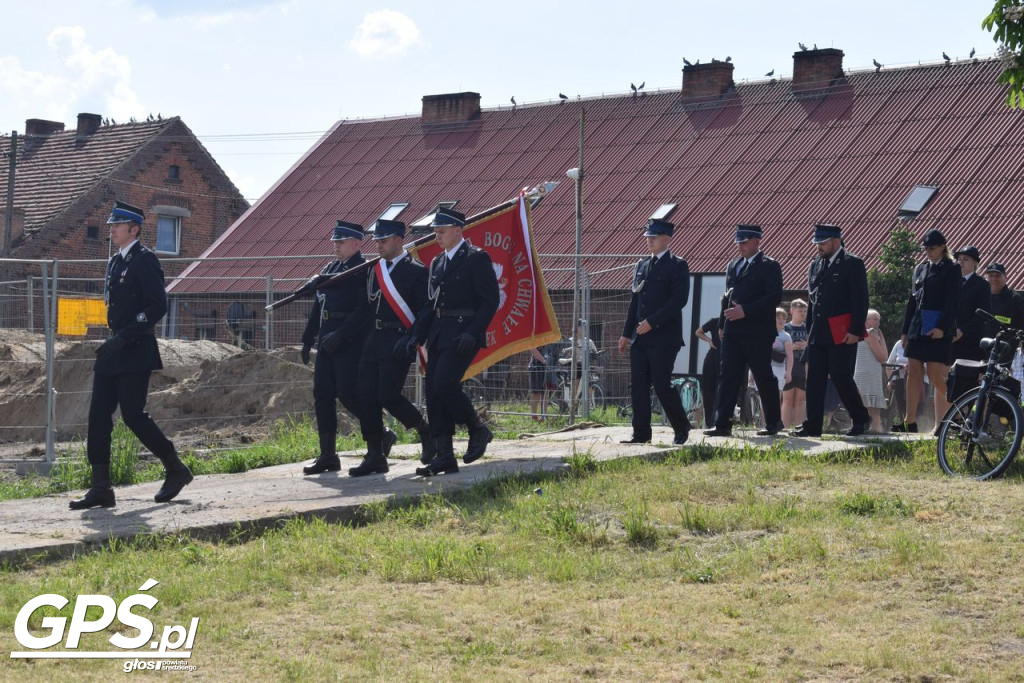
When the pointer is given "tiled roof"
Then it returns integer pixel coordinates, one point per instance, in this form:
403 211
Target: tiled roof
55 170
760 155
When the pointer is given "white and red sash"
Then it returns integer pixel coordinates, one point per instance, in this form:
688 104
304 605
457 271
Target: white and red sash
398 305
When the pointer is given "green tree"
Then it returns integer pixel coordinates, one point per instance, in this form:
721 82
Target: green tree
1006 22
889 285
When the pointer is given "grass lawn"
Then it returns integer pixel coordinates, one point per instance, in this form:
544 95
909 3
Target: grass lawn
708 564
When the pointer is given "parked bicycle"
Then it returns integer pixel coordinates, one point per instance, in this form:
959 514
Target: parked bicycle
558 400
688 387
981 432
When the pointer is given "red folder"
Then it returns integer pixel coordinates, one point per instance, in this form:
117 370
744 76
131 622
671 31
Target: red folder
840 326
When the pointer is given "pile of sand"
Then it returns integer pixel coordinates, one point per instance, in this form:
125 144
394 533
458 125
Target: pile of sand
204 387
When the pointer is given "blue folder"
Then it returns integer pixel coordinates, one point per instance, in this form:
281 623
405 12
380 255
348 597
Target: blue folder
929 320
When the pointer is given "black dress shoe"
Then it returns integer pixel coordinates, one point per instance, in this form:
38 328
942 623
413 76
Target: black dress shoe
94 498
368 466
905 428
637 439
173 484
439 466
858 429
479 437
805 432
718 431
388 440
321 465
771 430
680 438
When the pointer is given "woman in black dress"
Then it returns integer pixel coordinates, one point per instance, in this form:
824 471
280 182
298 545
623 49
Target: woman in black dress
929 325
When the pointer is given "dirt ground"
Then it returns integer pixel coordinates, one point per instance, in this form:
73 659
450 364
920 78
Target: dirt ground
207 390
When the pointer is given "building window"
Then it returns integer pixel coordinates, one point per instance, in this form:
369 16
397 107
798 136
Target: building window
168 234
392 211
663 211
92 232
917 200
425 221
173 172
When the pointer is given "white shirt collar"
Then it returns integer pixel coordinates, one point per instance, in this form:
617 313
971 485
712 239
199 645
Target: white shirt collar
661 253
396 259
834 256
124 252
451 252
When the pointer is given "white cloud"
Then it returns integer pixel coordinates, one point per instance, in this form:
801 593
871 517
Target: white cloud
386 33
97 78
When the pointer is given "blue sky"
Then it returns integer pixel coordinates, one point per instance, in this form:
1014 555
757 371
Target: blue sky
260 81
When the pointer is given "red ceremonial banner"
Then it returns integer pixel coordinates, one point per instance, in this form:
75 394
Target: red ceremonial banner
524 319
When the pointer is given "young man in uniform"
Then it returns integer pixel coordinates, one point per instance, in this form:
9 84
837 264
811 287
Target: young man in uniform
338 325
463 291
136 301
397 291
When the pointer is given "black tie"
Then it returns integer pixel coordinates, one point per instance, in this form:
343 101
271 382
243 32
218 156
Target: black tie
742 269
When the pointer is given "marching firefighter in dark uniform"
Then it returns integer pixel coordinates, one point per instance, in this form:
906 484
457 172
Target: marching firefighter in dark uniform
463 292
838 285
337 325
753 290
136 301
653 332
397 292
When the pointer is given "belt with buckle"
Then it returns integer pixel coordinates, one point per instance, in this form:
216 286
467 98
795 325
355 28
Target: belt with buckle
388 325
328 315
460 313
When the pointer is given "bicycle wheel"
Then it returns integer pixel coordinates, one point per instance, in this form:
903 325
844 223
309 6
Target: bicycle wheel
756 412
476 391
689 393
962 454
596 397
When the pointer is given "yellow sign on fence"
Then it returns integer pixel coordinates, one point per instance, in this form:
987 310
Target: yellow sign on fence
74 315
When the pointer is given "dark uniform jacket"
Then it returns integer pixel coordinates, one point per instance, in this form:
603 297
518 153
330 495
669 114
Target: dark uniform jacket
839 289
410 279
136 302
342 308
933 288
465 298
659 293
1008 306
974 294
758 290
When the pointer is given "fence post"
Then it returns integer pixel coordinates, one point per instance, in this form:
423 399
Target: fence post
269 314
30 306
49 325
585 379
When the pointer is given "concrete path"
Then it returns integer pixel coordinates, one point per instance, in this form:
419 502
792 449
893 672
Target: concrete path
221 504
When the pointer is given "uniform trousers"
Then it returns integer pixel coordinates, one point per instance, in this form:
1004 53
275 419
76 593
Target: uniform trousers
838 362
652 366
709 385
447 404
334 379
128 391
381 380
738 353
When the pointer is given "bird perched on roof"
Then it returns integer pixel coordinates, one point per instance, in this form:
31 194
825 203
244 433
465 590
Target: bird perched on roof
802 47
815 46
633 88
513 100
687 62
562 96
728 59
972 53
946 57
770 73
878 66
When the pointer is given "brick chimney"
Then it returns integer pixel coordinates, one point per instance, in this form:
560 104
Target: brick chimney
451 108
815 70
37 129
87 125
710 80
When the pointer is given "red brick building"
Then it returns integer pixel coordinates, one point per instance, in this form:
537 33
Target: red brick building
66 181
